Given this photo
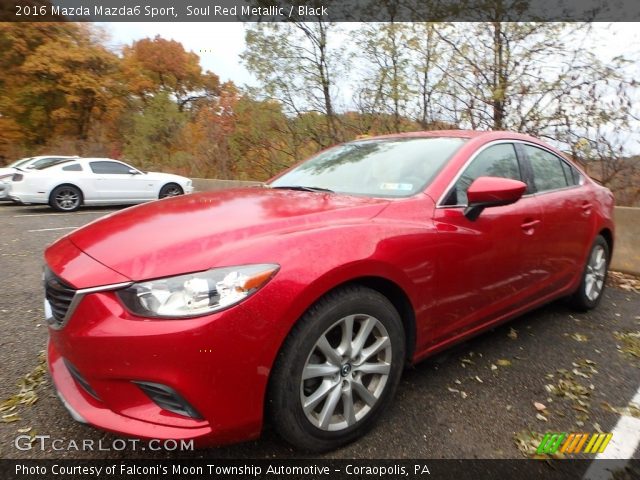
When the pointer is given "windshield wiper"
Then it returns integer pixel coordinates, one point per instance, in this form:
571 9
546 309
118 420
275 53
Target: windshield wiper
303 188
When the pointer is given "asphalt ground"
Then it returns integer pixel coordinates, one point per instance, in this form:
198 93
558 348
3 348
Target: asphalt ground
473 401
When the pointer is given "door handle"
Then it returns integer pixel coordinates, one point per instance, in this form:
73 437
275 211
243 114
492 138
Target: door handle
529 226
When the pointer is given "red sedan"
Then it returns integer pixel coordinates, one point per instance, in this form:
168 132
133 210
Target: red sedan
203 316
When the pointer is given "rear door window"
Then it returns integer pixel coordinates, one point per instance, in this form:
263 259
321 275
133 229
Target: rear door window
109 168
549 171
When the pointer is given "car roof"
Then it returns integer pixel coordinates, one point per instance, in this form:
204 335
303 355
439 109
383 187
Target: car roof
86 160
489 134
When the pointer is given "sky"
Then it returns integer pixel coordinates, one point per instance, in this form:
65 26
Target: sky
219 45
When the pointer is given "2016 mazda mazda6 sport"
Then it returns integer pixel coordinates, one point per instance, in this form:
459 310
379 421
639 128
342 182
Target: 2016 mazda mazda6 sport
203 316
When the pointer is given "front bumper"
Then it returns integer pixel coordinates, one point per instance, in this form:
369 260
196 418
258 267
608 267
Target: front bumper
219 364
83 408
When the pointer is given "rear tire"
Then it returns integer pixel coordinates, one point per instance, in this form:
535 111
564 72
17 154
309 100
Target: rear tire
594 276
170 190
350 346
65 198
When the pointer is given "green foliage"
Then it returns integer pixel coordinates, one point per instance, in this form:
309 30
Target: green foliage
156 133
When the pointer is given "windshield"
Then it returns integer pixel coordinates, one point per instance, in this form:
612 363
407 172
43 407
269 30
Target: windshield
398 167
49 162
22 161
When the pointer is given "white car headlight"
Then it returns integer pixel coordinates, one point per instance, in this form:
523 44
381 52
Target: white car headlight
196 294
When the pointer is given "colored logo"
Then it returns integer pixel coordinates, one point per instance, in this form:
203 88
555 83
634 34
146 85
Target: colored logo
573 443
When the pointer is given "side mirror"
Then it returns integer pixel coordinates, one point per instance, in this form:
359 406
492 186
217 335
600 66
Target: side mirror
487 192
134 172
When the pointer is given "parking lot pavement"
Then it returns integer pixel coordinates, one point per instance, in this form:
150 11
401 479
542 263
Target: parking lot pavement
474 401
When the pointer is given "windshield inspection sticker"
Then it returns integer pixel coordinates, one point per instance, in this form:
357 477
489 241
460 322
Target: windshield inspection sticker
396 186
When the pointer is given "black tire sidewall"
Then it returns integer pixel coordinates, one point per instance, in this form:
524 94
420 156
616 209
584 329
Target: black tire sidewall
167 186
290 419
580 299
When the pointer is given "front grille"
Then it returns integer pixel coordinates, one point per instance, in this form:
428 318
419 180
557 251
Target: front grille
59 295
168 399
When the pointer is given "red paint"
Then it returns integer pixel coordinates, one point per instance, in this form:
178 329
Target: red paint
460 277
495 190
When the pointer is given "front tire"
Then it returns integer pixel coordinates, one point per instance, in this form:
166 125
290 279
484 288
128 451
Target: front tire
338 370
170 190
592 285
65 198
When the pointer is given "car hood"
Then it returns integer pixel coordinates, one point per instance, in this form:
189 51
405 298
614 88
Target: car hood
166 176
188 233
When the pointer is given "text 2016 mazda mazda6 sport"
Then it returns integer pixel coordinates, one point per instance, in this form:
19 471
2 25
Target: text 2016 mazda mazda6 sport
204 316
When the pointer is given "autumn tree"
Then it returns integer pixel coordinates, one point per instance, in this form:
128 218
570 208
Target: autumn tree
385 87
56 81
208 134
156 135
298 67
159 65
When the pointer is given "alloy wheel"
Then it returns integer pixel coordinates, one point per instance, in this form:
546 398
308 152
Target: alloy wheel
596 272
346 372
67 199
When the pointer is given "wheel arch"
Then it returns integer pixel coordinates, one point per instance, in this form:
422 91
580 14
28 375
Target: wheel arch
400 300
67 184
607 234
390 289
170 182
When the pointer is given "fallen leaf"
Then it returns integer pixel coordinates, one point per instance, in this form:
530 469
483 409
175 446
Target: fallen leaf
630 343
503 362
513 334
493 367
541 417
479 379
539 406
578 337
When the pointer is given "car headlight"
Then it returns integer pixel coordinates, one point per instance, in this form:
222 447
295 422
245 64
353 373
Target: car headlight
196 294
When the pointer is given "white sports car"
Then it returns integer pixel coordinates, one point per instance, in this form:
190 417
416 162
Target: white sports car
66 184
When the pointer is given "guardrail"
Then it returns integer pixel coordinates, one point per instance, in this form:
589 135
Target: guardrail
626 252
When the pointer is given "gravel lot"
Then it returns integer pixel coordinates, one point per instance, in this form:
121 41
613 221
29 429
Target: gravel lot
470 402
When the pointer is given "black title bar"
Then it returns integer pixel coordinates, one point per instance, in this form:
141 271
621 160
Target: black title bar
310 469
314 10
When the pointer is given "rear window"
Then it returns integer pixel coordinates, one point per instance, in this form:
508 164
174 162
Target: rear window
50 162
20 162
75 167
